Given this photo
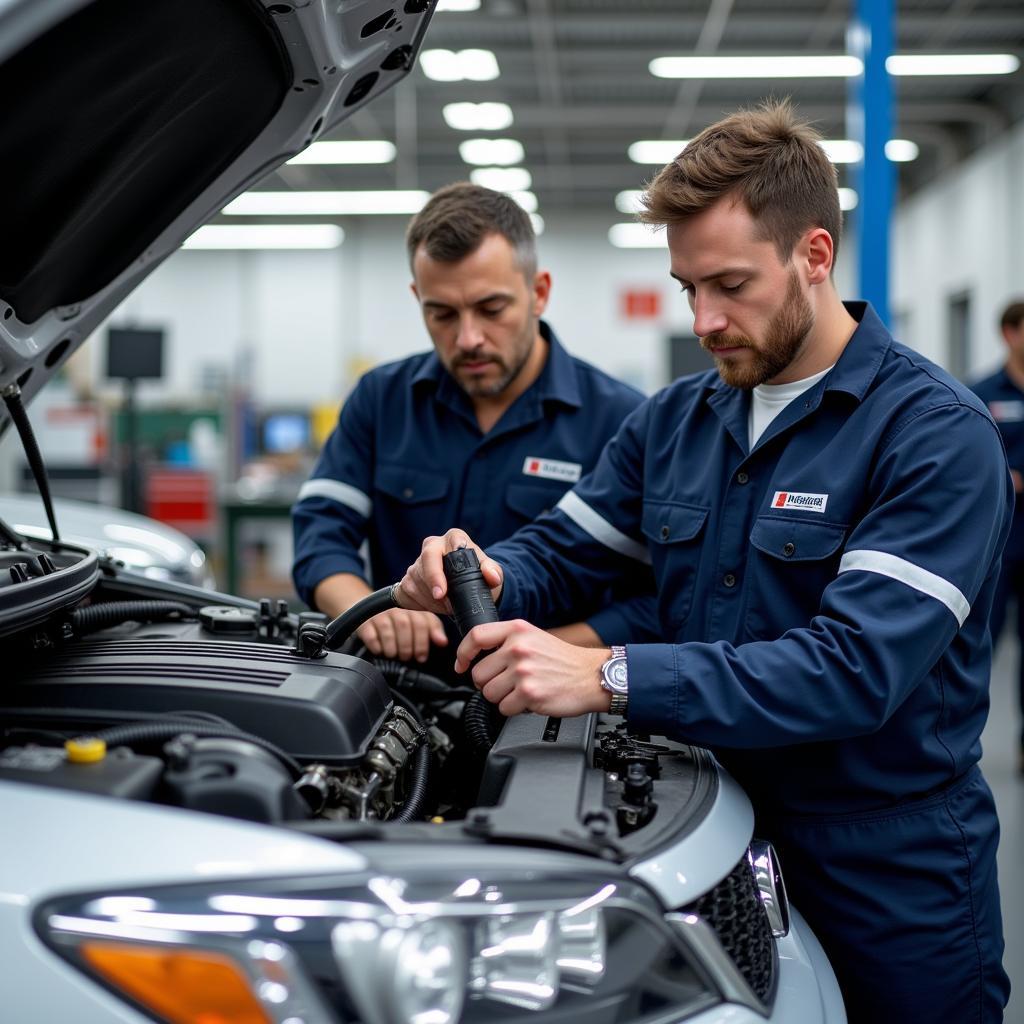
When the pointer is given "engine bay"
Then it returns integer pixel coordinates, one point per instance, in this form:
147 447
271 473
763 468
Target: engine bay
239 708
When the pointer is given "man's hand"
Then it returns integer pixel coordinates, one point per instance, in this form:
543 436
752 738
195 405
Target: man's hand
403 634
531 670
424 586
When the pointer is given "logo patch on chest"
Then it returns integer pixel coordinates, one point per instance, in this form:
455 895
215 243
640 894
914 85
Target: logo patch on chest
800 500
552 469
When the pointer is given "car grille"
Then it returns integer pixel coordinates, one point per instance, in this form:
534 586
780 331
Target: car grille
734 910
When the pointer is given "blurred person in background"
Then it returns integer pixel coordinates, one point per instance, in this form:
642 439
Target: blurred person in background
1003 393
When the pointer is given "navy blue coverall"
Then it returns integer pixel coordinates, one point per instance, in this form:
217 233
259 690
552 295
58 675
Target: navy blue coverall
824 602
407 459
1005 402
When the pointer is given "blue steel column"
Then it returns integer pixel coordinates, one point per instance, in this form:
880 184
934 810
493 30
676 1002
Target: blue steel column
869 121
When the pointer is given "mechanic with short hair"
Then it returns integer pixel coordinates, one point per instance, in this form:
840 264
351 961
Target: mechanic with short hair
1003 393
824 519
489 429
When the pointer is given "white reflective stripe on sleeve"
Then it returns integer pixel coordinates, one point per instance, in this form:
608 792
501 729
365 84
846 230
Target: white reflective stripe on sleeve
912 575
600 529
345 494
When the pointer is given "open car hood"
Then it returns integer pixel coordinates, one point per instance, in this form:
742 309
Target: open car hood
130 124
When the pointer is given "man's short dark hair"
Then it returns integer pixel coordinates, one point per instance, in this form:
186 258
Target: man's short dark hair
1013 315
766 157
458 217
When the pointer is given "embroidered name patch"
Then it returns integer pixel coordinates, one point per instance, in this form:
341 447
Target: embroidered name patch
798 499
552 469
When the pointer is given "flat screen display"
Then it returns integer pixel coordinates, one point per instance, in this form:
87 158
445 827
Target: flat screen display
286 432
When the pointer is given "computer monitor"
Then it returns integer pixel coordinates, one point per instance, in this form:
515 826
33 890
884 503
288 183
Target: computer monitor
285 432
134 352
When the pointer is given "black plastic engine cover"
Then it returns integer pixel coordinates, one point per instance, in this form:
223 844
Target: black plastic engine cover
326 709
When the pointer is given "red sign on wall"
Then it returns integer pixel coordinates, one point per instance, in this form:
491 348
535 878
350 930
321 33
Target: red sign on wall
641 303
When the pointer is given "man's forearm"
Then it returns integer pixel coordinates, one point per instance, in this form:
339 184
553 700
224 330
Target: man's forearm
339 592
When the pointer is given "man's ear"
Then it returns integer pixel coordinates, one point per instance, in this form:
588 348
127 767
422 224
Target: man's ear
817 253
541 291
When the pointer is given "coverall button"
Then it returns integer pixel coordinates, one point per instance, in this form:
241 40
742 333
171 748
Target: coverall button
788 548
664 533
729 579
407 493
741 477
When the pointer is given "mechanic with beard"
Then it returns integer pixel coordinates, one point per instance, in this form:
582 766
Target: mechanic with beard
824 519
488 430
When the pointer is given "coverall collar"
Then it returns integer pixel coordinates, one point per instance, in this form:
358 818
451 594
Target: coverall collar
853 373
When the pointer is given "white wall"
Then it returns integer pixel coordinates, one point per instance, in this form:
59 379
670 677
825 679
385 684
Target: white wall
963 234
307 317
301 321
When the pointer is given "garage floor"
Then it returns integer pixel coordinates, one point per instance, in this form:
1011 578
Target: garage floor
999 763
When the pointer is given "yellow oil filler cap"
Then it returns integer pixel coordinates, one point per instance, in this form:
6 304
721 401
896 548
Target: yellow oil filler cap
85 749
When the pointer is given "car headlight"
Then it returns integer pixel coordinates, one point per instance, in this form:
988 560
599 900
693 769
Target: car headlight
388 950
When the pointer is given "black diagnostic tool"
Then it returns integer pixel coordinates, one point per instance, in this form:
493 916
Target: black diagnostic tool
468 593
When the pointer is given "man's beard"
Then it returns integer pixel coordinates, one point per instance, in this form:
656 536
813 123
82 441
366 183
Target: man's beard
784 337
488 389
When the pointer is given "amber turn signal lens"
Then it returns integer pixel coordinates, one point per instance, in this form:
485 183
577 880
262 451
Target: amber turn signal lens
184 986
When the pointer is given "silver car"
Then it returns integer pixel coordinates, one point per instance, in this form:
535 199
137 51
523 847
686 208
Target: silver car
214 809
138 542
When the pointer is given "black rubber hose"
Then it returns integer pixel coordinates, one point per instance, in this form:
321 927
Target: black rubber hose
151 732
341 628
99 616
413 807
398 673
481 721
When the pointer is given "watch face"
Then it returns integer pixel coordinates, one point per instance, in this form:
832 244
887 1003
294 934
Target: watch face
615 675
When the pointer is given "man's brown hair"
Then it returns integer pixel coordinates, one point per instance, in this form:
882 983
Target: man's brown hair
1013 315
458 217
767 158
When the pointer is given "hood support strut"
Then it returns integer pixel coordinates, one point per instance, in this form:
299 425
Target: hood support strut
12 397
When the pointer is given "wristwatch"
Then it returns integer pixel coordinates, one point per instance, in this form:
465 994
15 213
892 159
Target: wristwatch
615 679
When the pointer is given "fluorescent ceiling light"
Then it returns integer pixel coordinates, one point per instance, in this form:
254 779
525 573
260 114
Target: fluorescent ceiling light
656 151
849 151
839 151
266 236
901 151
848 199
843 151
502 179
527 200
477 117
458 66
636 236
366 151
952 64
538 223
628 201
457 5
491 151
832 66
321 203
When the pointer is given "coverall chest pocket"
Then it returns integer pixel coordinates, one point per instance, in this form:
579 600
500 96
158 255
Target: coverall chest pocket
791 563
674 534
411 498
